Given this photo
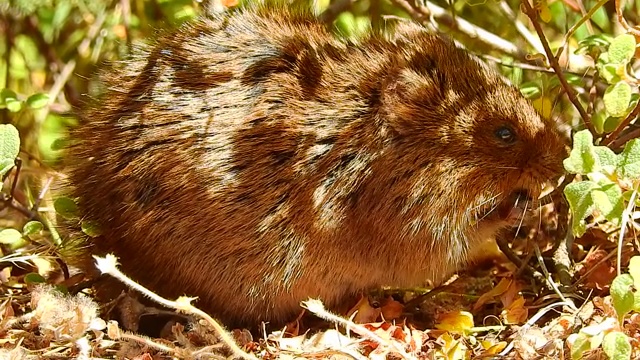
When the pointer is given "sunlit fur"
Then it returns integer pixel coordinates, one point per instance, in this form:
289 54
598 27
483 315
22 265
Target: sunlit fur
254 160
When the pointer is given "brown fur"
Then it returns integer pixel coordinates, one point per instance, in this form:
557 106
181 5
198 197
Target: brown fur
254 160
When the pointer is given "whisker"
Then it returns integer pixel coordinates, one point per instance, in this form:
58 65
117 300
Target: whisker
522 216
488 212
486 201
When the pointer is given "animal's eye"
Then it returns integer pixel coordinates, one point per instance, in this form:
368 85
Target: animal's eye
506 135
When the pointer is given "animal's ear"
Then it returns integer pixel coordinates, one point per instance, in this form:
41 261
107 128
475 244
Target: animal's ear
409 101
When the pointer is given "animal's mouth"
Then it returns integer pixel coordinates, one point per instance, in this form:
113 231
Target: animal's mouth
514 207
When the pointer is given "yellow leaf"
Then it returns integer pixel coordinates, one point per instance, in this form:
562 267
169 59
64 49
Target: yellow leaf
544 106
502 286
455 321
516 313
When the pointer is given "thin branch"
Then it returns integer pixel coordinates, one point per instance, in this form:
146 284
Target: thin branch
522 29
582 20
526 66
624 138
619 5
553 61
422 14
614 134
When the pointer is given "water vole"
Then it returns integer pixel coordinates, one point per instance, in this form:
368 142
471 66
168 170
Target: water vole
254 160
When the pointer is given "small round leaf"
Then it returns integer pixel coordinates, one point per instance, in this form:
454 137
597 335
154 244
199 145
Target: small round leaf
10 236
66 208
616 345
622 295
91 228
32 227
622 48
9 147
37 101
617 98
34 278
13 105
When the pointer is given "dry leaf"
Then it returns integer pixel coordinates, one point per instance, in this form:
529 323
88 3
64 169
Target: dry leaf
364 312
455 321
515 313
502 287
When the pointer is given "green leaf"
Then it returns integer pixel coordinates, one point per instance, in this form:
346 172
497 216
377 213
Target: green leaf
34 278
599 119
59 144
617 98
599 42
629 166
607 159
616 345
13 105
10 236
611 123
634 270
622 48
601 200
581 202
610 72
531 90
583 157
66 207
7 94
37 101
32 227
622 295
91 228
9 147
580 345
612 205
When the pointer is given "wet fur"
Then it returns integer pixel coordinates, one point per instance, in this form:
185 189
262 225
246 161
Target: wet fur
254 160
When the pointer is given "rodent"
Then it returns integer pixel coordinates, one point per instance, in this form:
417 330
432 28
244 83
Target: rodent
254 160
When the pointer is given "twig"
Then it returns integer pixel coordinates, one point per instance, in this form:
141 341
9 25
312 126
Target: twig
593 92
9 200
583 11
108 265
553 61
526 66
422 13
116 333
533 321
43 192
522 29
126 20
582 20
317 308
626 214
550 281
623 21
632 115
624 138
561 253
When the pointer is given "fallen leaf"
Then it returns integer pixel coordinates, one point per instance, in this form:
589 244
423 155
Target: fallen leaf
515 313
455 321
498 290
364 312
